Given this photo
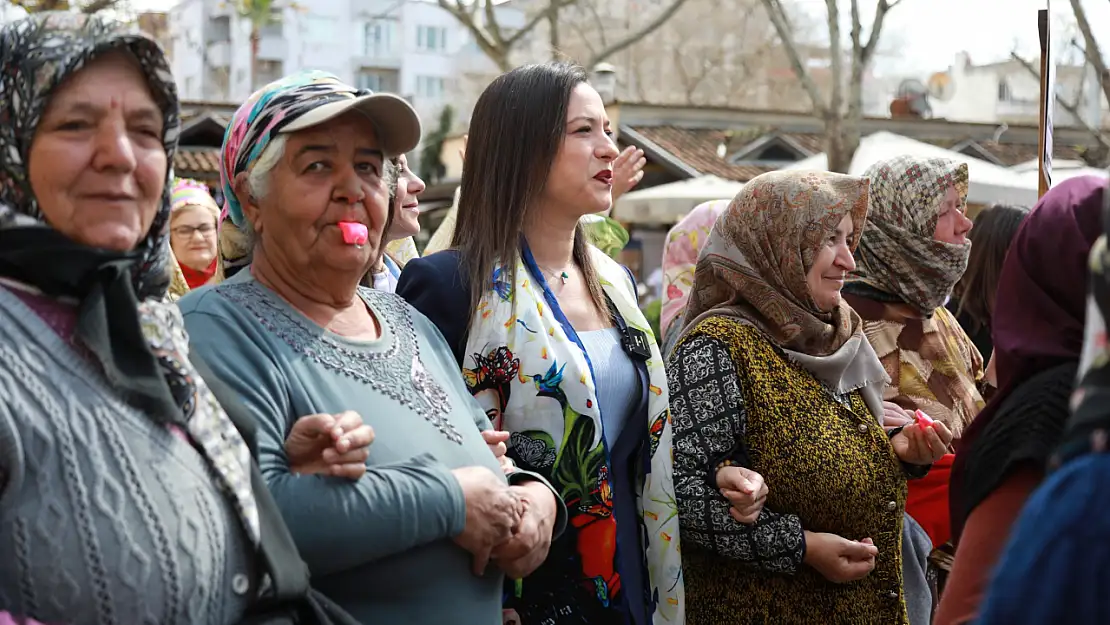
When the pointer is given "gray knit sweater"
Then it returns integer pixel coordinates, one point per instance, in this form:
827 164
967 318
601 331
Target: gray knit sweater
105 516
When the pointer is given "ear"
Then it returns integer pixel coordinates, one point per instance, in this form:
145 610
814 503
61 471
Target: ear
248 202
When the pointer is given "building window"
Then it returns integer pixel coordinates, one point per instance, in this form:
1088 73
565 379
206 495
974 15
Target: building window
1004 94
430 87
431 38
219 30
378 37
377 80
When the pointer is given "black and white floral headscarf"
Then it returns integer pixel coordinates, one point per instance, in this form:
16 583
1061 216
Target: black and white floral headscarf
137 337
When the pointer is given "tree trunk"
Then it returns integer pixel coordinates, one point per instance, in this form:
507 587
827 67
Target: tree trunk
840 143
553 31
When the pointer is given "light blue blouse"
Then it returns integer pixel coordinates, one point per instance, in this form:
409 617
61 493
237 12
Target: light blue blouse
381 547
619 396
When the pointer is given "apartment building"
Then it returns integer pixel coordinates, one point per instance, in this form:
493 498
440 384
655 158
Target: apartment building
410 47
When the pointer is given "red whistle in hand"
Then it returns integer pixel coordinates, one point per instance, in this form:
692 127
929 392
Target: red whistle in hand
923 419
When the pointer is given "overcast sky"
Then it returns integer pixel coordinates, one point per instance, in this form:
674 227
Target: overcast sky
925 35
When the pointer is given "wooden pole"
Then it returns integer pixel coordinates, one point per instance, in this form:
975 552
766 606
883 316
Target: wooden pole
1047 102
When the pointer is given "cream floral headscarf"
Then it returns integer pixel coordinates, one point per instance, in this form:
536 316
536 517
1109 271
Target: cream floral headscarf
680 256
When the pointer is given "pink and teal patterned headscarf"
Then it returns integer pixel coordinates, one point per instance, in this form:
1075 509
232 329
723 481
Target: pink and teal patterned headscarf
680 256
264 114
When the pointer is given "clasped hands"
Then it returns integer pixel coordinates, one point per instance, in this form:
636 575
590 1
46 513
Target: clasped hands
508 524
511 525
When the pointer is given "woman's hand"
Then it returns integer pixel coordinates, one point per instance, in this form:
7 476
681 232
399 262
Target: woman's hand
838 559
745 490
922 445
527 549
496 440
628 170
325 444
493 511
895 416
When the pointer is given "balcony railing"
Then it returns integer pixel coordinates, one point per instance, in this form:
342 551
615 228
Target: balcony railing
377 58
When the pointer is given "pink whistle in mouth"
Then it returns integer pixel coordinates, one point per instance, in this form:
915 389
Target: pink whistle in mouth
354 233
923 419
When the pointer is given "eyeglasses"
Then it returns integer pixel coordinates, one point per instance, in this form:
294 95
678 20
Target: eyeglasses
186 232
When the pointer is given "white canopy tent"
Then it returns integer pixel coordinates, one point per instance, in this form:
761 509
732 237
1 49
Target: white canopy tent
1061 170
668 203
989 184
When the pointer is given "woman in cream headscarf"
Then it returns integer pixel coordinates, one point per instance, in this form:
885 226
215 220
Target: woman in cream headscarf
773 373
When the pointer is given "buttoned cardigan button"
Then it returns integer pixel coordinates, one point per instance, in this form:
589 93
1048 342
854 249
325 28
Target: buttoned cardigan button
240 584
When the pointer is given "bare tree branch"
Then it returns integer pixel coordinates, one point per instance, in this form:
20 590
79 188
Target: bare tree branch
777 13
836 57
1093 52
553 31
637 35
1071 107
841 126
586 39
492 26
531 24
881 9
497 51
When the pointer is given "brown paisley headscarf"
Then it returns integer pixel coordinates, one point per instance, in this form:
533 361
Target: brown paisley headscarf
897 254
754 266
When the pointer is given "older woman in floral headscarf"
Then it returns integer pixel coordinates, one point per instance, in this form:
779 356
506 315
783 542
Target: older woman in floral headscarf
305 160
680 256
127 493
772 372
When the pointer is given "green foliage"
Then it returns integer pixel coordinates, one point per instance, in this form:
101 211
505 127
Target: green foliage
605 233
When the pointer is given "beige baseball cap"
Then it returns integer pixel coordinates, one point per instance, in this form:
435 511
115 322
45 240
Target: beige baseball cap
395 120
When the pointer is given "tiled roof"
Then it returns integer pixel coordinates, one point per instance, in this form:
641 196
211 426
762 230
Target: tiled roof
197 163
697 147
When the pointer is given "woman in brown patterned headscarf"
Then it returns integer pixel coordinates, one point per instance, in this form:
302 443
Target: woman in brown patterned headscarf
773 373
913 251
